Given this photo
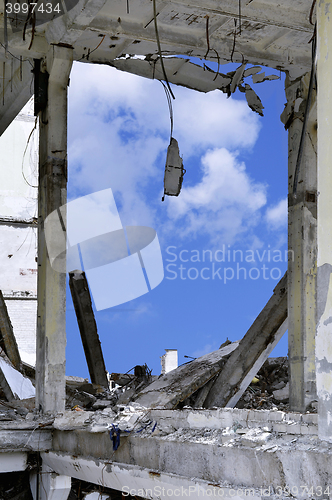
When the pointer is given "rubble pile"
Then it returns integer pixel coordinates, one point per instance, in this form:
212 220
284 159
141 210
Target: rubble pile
270 388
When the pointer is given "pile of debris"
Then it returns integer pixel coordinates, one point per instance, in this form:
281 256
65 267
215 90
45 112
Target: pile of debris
269 389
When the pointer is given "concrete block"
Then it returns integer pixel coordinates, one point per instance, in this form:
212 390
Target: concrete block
261 416
10 462
310 418
226 418
280 427
293 428
311 430
293 417
276 416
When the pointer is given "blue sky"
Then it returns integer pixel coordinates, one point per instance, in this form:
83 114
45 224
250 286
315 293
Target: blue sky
233 198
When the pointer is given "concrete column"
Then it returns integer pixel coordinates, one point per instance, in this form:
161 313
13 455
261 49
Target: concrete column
302 242
48 485
51 322
324 220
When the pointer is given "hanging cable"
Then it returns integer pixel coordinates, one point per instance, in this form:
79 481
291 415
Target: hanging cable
311 12
209 49
159 48
305 120
170 107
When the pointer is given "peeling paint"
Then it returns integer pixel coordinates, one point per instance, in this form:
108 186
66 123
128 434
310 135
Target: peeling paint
328 321
323 366
323 282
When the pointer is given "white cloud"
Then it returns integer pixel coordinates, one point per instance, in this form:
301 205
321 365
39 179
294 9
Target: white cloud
223 204
203 121
276 216
118 136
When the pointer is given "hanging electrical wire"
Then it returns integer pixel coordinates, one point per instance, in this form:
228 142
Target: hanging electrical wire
86 56
311 12
25 150
235 31
306 116
170 107
209 49
159 48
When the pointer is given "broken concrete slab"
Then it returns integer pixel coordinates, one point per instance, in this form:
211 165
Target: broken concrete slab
88 328
25 436
75 397
8 337
282 394
262 333
12 382
241 447
177 385
71 420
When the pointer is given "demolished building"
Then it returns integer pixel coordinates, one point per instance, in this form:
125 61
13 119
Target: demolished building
144 445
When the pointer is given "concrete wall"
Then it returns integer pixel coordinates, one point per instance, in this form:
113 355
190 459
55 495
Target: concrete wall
18 228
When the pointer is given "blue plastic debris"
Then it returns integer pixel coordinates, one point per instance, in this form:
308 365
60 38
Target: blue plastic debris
115 436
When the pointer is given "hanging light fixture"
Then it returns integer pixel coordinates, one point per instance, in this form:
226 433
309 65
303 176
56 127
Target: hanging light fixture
174 170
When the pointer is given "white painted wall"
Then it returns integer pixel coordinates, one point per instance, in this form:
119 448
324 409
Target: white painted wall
18 243
169 361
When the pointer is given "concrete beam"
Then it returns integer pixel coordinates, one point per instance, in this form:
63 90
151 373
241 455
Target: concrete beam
138 481
264 332
232 449
302 242
22 437
170 389
88 328
8 337
10 462
52 194
246 381
324 221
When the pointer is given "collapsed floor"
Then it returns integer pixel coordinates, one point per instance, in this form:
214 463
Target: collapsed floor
110 426
134 432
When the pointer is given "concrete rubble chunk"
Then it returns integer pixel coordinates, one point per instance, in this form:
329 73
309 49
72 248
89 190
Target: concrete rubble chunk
237 78
7 334
12 382
282 394
71 420
177 385
255 437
